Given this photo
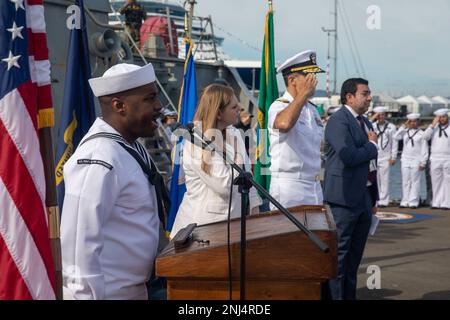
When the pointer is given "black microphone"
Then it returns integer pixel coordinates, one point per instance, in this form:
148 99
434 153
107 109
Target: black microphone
193 134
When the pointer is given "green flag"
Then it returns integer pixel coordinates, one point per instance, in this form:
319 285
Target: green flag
268 93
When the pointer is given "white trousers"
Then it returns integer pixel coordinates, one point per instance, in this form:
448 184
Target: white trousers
383 181
294 192
440 181
410 186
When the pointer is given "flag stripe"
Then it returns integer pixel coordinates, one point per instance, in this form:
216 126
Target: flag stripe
35 18
35 2
37 47
23 250
266 49
11 282
29 208
44 97
17 124
27 93
40 71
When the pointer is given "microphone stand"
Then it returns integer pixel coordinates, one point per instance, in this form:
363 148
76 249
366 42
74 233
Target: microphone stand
245 181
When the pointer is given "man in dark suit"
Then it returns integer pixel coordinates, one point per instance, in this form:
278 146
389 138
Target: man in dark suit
349 189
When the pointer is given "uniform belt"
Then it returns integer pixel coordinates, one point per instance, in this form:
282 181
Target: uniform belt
296 175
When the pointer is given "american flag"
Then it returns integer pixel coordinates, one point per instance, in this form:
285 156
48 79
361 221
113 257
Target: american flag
26 265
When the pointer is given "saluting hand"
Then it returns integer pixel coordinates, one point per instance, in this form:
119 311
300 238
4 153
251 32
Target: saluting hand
374 117
435 121
306 86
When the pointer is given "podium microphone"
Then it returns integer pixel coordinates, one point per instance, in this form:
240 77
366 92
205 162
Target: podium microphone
192 134
189 127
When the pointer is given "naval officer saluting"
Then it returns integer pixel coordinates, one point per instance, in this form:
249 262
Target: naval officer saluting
414 159
439 134
110 225
295 135
387 152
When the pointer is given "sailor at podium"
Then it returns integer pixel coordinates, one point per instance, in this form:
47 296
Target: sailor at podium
295 134
208 177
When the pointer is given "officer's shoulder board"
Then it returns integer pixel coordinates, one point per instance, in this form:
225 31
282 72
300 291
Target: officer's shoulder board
282 100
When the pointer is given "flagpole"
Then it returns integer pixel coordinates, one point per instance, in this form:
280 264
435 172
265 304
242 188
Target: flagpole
51 202
189 20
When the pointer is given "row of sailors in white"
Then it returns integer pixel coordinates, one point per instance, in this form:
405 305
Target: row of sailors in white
415 156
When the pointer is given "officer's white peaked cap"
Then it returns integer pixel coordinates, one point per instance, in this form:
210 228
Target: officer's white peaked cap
302 62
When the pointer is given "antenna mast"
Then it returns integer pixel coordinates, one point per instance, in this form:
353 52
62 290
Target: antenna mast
335 31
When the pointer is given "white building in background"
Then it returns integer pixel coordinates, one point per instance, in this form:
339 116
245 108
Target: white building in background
426 101
440 102
386 101
327 103
414 105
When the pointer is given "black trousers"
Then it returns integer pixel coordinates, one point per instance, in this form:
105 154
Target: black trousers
353 225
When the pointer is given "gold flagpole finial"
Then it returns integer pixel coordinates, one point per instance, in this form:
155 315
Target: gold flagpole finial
270 5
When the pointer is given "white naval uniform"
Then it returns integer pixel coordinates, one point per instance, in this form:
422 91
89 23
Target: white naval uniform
295 156
387 150
414 154
207 195
110 224
440 164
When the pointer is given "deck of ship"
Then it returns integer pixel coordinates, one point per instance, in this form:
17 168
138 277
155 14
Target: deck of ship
414 258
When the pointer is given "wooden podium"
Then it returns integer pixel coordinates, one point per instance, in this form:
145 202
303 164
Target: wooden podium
282 263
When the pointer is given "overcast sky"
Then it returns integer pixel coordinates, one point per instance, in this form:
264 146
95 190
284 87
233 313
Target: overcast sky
410 54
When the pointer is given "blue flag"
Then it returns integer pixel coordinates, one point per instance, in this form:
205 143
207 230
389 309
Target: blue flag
78 112
186 110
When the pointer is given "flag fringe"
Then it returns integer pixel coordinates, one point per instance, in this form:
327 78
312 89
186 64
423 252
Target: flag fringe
46 118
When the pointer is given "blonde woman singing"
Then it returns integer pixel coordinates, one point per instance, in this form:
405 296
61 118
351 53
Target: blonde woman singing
208 176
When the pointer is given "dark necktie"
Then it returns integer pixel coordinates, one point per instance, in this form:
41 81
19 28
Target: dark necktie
442 131
361 124
372 174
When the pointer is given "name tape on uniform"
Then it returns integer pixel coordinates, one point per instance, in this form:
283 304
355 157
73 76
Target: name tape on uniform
93 161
